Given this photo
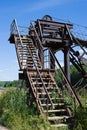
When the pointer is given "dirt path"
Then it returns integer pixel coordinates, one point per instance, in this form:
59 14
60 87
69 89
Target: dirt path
3 128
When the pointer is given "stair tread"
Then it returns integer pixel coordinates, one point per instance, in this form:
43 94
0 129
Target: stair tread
26 50
44 83
58 117
60 110
42 78
60 98
48 88
59 125
31 62
30 59
56 104
44 93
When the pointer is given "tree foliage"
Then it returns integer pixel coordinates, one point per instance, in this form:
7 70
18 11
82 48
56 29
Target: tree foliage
15 83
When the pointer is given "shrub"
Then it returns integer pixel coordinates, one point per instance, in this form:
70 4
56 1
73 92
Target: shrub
80 121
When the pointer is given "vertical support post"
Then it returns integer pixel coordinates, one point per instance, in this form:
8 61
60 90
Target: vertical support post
67 62
52 61
41 55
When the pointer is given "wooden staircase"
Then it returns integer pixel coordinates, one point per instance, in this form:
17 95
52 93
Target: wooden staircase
49 98
25 50
46 92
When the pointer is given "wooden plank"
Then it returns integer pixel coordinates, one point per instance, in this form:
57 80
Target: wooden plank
57 118
56 104
53 111
57 24
49 30
52 98
59 125
47 39
44 83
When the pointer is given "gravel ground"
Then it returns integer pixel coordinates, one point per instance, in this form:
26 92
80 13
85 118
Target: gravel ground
3 128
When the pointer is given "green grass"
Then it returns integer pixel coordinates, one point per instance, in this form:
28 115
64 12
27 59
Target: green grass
16 115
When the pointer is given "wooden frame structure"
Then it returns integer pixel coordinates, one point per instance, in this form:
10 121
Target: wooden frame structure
37 61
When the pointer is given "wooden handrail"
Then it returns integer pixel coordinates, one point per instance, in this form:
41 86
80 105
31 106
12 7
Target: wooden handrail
69 86
40 76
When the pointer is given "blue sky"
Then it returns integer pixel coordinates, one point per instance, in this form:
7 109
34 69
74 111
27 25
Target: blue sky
24 11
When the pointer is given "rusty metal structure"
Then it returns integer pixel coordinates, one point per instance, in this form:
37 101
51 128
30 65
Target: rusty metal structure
36 48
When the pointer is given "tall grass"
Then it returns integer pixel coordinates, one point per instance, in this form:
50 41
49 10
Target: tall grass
15 114
80 119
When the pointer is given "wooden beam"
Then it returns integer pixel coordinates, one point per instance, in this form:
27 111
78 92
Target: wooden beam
53 23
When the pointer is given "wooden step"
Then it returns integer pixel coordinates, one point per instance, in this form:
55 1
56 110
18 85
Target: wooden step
48 88
32 66
59 125
44 83
57 104
36 59
60 98
22 50
26 38
58 118
27 51
29 56
51 111
56 100
31 62
37 78
26 41
43 74
25 46
44 93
